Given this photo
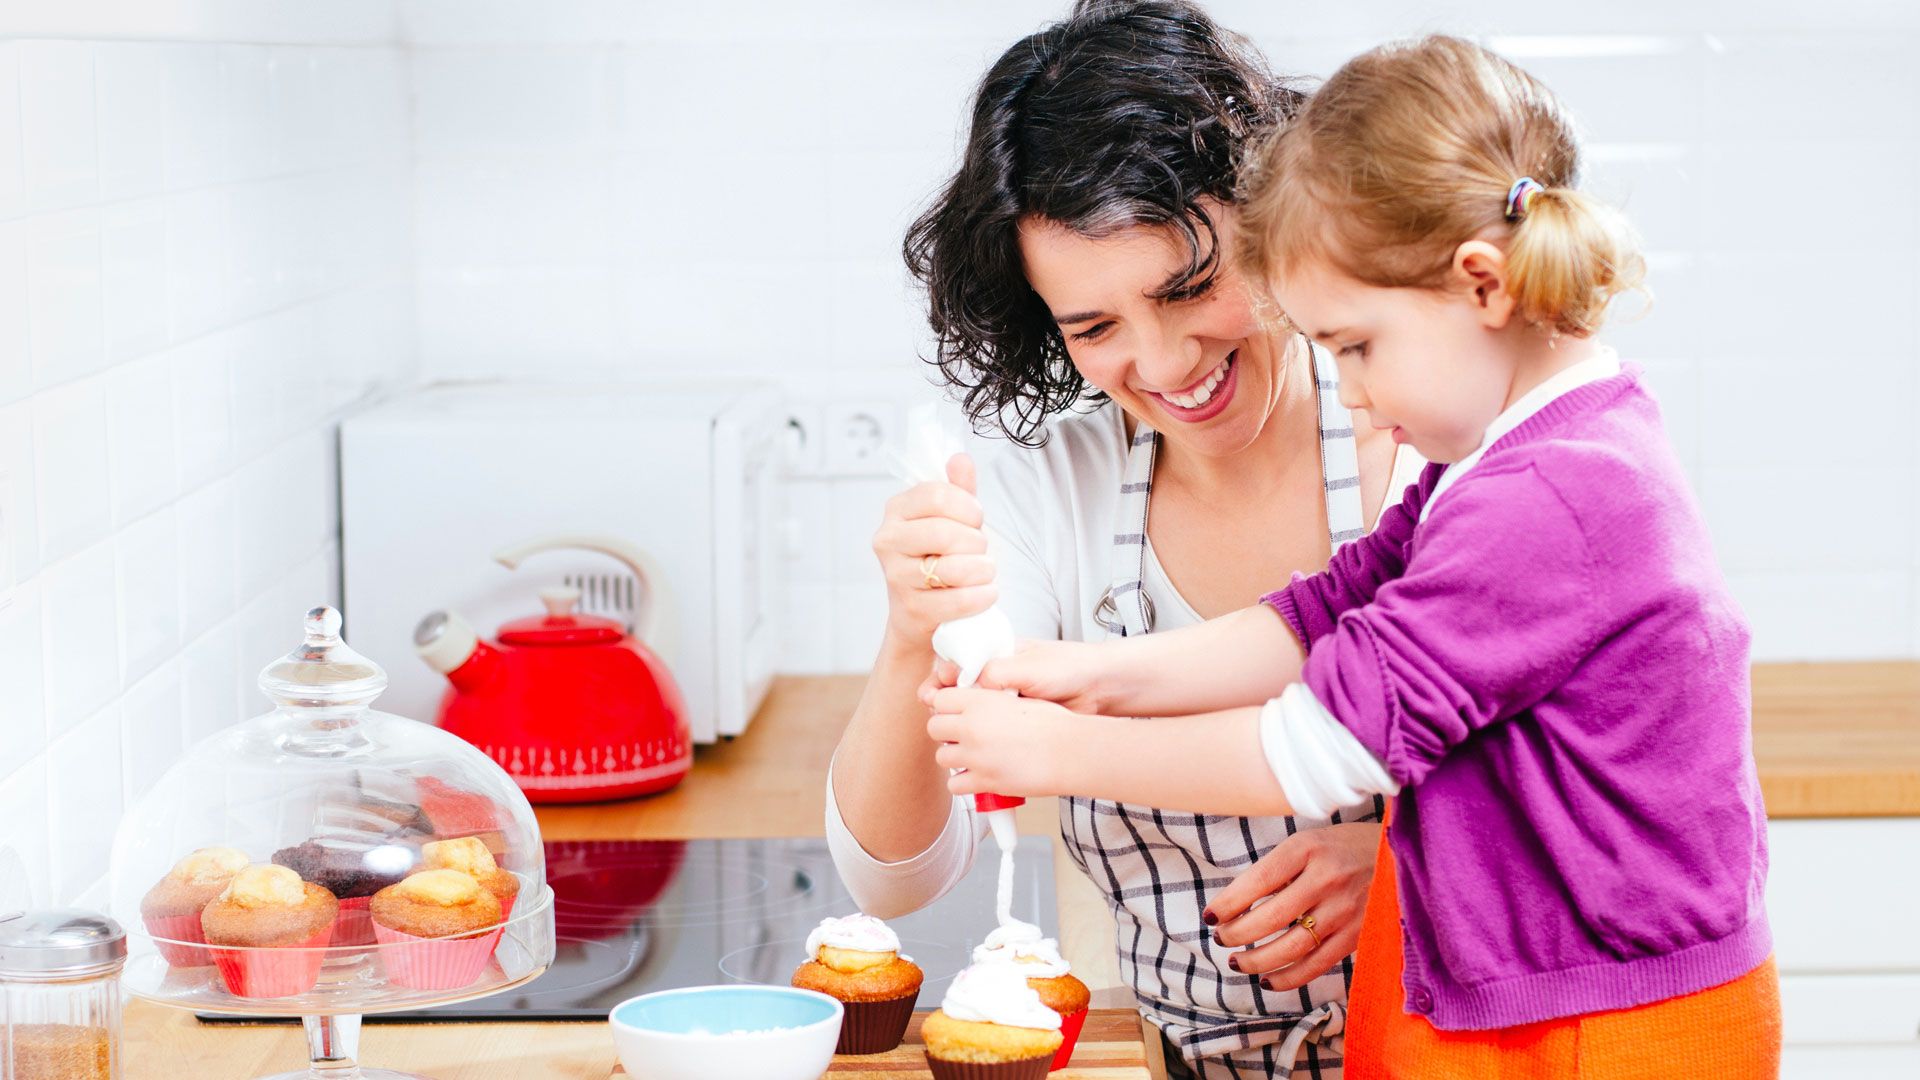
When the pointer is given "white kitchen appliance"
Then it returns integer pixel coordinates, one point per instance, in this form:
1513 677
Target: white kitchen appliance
436 481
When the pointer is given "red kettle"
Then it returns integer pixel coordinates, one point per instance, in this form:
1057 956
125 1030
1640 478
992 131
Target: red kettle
573 707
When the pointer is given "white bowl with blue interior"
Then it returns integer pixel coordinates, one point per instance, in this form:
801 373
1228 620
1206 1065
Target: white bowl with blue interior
738 1032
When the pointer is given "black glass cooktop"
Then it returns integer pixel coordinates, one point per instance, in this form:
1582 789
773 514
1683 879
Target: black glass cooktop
635 916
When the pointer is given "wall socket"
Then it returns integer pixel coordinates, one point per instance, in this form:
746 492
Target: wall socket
858 434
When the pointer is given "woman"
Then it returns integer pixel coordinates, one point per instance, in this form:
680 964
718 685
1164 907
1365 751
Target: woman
1075 265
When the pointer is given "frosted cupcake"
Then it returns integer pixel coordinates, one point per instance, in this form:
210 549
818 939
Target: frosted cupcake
1038 959
470 856
171 909
276 929
991 1026
857 960
437 930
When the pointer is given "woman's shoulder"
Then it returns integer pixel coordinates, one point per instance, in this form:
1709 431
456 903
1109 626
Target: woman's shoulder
1084 452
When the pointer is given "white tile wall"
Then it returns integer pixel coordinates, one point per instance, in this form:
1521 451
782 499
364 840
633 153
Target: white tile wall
204 259
605 189
222 222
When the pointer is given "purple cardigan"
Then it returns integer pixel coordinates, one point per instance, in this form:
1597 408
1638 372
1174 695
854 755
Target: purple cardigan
1552 668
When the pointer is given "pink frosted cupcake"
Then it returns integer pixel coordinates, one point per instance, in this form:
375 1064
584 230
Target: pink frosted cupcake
437 930
470 856
171 909
275 928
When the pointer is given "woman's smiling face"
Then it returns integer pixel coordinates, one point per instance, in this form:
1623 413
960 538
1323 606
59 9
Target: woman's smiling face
1200 370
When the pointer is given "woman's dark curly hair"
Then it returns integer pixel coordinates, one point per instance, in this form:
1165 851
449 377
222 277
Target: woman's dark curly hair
1123 114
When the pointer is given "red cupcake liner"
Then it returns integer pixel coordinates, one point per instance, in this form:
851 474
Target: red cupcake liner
419 963
1026 1069
874 1027
1070 1026
282 971
354 924
179 928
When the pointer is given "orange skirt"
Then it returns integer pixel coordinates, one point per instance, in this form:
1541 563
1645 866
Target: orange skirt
1726 1032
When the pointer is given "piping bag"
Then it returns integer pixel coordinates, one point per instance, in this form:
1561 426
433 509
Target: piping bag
967 643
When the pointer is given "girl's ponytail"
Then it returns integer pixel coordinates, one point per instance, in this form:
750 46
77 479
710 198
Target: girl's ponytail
1569 255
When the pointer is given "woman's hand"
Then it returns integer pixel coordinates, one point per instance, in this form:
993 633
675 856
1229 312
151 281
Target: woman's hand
1007 745
933 555
1324 873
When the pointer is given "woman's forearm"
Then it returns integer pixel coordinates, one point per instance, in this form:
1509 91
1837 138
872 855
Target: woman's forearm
891 794
1243 658
1207 764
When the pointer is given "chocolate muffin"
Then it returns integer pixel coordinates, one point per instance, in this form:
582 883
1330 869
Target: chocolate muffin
349 869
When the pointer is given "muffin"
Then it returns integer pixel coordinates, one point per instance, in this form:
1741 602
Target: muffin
352 870
171 909
277 929
1039 959
857 960
470 856
452 812
991 1026
437 930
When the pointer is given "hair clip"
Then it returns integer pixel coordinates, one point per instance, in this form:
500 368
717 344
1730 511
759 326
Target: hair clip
1520 197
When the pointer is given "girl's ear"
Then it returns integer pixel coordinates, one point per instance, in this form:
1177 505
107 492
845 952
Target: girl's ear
1480 270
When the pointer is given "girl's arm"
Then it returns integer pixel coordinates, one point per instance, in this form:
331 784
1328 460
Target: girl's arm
1289 756
1239 659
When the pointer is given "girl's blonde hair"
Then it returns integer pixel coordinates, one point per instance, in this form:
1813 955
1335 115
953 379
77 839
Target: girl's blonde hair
1410 150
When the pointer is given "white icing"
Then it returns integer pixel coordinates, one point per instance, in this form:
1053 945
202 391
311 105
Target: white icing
861 933
1021 944
996 993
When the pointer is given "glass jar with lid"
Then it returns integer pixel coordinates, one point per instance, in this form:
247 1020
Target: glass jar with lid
326 860
60 995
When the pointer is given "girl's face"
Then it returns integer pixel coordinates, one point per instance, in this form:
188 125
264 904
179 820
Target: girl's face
1431 364
1200 370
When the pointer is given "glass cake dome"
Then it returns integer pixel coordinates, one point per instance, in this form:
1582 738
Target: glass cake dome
246 877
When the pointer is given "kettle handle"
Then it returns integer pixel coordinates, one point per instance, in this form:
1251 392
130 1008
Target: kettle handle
653 623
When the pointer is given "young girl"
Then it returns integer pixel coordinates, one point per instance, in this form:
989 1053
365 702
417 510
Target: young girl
1535 654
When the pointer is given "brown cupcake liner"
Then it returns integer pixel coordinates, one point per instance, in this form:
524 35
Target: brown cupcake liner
1034 1068
875 1027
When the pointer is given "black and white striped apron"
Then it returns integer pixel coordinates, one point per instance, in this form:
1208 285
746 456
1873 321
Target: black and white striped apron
1158 868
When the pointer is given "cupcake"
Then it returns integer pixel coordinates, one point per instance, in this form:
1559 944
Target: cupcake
857 960
470 856
276 927
437 930
991 1026
451 812
352 870
1038 959
171 909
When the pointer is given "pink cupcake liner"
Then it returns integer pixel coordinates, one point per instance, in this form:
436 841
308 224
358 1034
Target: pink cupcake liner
434 963
1070 1026
179 928
506 907
283 971
354 924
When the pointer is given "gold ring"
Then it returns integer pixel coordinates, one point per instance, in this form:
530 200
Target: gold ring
1305 922
927 573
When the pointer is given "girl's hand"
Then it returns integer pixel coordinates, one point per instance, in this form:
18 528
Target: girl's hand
1071 673
1006 744
1324 873
935 527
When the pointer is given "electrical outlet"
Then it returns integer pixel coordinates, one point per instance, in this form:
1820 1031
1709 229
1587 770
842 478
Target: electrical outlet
803 444
857 436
